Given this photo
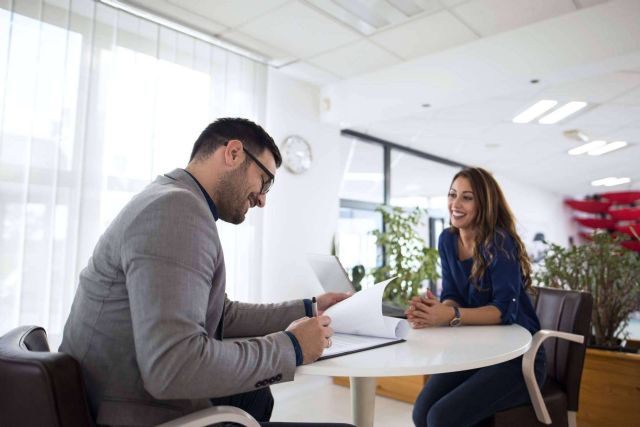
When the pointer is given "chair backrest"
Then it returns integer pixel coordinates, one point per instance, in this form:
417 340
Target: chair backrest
39 388
566 311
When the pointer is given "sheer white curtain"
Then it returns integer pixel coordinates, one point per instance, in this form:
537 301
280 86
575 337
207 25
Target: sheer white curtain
94 103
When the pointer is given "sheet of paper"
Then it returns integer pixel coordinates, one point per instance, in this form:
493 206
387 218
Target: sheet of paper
347 343
361 314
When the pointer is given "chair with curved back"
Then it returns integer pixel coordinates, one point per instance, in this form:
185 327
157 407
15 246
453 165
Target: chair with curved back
41 388
565 321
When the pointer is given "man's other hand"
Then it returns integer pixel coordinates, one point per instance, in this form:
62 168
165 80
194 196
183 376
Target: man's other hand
330 298
313 334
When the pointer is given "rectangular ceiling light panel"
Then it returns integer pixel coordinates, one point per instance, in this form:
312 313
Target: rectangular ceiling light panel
536 110
616 145
610 181
585 148
563 112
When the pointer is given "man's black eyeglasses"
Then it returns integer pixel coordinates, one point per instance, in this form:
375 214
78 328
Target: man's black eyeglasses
266 185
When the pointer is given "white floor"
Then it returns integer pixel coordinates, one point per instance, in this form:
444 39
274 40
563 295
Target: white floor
317 399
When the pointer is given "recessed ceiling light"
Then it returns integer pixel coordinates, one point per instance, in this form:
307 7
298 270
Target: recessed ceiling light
610 181
603 181
584 148
616 145
562 113
534 111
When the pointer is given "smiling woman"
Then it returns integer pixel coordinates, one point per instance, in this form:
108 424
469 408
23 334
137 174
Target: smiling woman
485 278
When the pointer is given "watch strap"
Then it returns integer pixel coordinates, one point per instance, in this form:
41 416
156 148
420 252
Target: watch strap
456 317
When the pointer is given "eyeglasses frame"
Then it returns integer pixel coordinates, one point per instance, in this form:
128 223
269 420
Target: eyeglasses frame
266 185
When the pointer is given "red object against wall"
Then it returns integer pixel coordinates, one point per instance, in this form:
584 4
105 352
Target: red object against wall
609 224
590 206
629 229
626 214
622 197
634 245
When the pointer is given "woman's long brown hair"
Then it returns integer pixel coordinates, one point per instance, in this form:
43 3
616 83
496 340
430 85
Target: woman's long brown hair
493 215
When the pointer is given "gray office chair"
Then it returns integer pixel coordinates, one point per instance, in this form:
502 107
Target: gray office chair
564 316
41 389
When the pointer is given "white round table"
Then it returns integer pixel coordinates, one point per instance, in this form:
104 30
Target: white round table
426 351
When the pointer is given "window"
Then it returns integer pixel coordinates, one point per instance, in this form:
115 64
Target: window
94 104
363 179
379 172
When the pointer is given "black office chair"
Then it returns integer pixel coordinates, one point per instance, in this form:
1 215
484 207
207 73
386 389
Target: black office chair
41 389
564 315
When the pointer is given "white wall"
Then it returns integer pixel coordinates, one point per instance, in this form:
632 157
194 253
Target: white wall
302 210
537 210
301 214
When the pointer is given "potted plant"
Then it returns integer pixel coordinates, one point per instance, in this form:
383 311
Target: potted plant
608 271
408 257
406 254
609 391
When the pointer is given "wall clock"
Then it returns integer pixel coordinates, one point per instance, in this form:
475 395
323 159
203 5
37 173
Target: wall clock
296 154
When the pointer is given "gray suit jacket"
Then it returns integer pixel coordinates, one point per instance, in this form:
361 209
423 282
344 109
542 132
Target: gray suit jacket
150 311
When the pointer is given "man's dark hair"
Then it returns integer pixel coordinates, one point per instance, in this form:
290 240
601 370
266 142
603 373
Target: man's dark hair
253 137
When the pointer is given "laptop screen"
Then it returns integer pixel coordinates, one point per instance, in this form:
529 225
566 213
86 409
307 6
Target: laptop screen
330 273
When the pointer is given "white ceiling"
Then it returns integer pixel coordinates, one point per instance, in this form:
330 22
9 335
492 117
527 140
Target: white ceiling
471 60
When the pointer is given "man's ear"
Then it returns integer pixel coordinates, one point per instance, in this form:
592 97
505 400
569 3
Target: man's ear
232 152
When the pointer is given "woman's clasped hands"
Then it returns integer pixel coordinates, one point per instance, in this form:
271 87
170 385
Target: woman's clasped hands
426 310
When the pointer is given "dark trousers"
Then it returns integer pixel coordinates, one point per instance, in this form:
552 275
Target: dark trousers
465 398
259 404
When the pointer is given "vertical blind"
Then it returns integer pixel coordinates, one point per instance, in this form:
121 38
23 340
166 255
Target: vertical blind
94 103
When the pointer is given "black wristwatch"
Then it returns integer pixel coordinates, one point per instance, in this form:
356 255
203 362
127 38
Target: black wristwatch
456 318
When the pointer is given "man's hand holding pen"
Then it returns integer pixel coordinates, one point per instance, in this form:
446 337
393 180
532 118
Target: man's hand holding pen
313 334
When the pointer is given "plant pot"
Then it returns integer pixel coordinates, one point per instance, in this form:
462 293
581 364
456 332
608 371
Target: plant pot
630 346
618 348
610 389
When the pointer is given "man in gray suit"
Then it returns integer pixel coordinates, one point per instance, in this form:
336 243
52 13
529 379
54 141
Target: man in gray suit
150 310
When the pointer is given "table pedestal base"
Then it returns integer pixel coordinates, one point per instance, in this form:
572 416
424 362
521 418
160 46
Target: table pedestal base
363 400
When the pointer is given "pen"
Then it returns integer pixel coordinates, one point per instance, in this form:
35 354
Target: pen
314 307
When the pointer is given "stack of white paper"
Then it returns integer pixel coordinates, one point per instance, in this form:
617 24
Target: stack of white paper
358 323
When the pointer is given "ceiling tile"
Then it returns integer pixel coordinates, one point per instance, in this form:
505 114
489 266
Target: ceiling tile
452 3
425 35
489 17
594 90
309 73
299 30
589 3
505 133
488 111
632 97
608 115
629 134
356 58
244 40
231 13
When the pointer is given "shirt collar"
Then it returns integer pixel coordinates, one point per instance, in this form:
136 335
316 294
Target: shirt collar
212 206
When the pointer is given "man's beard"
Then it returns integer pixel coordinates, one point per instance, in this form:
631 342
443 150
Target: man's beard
232 195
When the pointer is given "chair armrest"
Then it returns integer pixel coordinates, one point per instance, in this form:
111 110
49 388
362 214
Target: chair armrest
214 415
528 369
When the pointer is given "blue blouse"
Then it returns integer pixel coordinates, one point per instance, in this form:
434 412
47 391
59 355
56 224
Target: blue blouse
501 285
